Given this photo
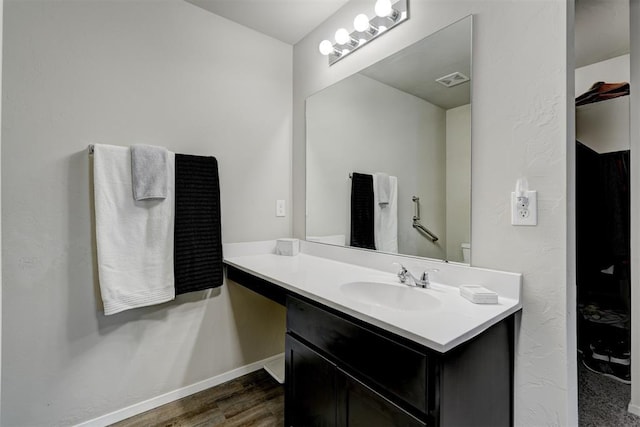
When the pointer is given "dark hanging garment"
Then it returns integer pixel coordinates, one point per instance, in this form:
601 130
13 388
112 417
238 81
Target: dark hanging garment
602 224
588 237
197 235
362 224
616 207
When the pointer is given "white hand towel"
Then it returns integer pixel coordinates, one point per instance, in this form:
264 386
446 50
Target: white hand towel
385 218
149 171
383 183
134 239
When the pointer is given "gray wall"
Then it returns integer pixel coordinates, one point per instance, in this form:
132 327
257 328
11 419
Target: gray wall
458 180
521 101
124 72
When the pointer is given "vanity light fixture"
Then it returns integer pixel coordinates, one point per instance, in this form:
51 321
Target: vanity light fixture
362 24
387 15
327 48
384 9
344 38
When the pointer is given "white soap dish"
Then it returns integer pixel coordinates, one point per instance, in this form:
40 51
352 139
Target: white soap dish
478 294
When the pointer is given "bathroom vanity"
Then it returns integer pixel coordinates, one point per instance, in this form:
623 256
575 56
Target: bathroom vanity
353 360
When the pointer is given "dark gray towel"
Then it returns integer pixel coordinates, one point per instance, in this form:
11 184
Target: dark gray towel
198 240
362 226
149 172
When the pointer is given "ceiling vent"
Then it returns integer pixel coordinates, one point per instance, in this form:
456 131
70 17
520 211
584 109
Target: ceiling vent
453 79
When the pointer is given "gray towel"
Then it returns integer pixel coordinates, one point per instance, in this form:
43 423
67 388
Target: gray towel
149 172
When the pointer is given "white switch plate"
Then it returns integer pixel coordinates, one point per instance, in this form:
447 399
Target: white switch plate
280 208
524 215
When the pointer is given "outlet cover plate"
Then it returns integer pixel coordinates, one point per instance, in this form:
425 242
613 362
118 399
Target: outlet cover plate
530 217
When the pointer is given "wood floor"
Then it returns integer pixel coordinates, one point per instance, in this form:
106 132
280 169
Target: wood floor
255 399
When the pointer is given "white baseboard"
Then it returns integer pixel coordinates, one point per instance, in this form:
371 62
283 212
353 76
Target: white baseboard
634 409
138 408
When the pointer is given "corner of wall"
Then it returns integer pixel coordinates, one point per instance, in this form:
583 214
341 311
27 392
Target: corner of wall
1 20
571 295
634 16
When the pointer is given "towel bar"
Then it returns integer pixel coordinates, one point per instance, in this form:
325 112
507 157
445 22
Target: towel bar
425 230
416 221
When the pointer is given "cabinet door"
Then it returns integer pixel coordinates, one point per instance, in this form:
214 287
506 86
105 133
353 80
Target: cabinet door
360 406
310 398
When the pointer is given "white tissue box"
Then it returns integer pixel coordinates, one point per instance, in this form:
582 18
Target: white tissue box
288 247
478 294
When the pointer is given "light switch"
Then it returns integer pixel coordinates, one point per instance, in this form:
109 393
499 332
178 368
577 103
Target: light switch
280 208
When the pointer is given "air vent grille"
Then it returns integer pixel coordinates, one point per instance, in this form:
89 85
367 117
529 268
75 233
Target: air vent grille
453 79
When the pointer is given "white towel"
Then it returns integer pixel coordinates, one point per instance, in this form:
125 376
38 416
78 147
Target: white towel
383 183
134 239
385 218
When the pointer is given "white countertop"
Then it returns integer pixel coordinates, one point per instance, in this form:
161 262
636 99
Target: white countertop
451 322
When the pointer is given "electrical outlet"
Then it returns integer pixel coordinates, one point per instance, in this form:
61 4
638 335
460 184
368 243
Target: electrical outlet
280 208
524 210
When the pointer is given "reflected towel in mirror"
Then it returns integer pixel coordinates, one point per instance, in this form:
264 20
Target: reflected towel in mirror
362 207
382 188
386 215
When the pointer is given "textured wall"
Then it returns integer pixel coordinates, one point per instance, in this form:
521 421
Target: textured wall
121 72
520 95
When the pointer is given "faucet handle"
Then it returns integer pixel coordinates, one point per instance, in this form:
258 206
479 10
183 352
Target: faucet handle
424 277
403 273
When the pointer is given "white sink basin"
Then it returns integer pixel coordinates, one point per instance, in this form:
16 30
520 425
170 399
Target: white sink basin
387 295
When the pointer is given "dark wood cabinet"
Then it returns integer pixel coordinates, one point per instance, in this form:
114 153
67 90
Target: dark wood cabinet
325 395
311 383
346 373
361 406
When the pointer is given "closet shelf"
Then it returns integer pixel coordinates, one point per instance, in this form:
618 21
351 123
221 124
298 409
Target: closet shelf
601 101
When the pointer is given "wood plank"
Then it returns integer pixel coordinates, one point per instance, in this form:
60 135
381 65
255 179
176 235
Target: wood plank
254 399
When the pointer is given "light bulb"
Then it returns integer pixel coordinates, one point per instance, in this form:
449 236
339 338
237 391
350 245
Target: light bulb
342 36
361 23
325 47
383 8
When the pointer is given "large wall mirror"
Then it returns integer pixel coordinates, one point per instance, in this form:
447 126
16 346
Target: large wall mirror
391 143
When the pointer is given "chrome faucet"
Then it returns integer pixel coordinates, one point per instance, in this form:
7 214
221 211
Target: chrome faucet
422 282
